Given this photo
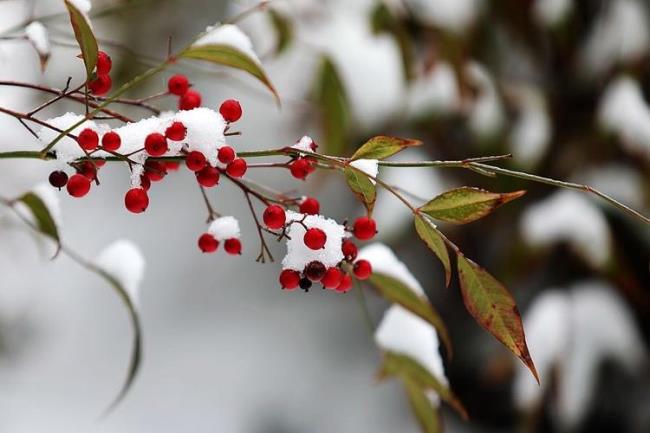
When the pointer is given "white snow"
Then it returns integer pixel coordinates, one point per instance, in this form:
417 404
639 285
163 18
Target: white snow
124 261
37 35
436 91
530 135
299 255
617 180
368 166
205 129
551 12
224 228
84 6
486 112
67 148
452 15
230 35
384 261
306 144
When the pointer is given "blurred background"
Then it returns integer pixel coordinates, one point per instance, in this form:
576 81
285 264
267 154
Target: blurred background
563 85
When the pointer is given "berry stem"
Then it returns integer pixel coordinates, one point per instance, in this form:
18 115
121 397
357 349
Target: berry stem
264 249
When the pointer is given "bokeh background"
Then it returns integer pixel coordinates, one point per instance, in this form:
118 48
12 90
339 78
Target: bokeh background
564 85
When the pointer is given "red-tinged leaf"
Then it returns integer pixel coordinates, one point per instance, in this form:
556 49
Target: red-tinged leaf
466 204
494 308
382 147
83 33
434 240
362 187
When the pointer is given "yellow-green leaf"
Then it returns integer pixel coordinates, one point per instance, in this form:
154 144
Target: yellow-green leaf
466 204
42 216
381 147
283 30
397 292
362 187
434 240
83 33
422 408
332 102
494 308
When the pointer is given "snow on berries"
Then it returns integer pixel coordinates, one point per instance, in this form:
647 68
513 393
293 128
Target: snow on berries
176 131
222 230
306 144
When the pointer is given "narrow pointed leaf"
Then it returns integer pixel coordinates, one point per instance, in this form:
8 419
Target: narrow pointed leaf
494 308
383 20
42 217
422 408
433 238
382 147
83 33
283 30
333 105
362 187
466 204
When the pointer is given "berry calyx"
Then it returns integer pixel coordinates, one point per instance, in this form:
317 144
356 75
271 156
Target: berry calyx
305 284
178 84
88 139
78 185
230 110
345 284
364 228
300 168
289 279
362 269
100 85
237 168
315 238
104 63
349 250
332 278
195 160
155 144
310 206
190 100
274 217
111 141
226 154
314 270
208 243
136 200
208 176
176 131
155 170
232 246
58 179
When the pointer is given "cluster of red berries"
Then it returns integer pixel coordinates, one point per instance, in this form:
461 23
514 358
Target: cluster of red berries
209 244
101 84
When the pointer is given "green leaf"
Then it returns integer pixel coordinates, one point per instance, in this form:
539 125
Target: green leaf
405 367
283 30
396 291
331 99
381 147
422 408
83 33
466 204
361 186
494 308
227 55
434 240
43 219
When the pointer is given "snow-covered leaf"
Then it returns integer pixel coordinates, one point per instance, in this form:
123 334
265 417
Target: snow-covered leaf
382 147
83 33
332 101
362 186
433 238
37 35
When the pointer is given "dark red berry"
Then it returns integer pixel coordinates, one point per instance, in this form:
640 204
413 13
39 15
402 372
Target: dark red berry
310 206
300 168
362 269
315 238
237 168
332 278
208 176
88 169
190 100
230 110
136 200
176 131
104 63
78 185
232 246
364 228
195 160
315 270
155 170
100 85
145 182
111 141
289 279
58 179
274 217
305 284
349 250
88 139
178 84
345 284
155 144
207 243
226 154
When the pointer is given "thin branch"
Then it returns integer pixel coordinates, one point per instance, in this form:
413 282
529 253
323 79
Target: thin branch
264 249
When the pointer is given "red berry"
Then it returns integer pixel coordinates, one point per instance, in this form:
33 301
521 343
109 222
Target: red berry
208 176
155 144
178 84
100 85
155 170
176 131
315 270
274 217
315 238
230 110
289 279
226 154
78 185
207 243
195 160
237 168
232 246
362 269
310 206
104 63
349 250
58 179
364 228
88 139
300 168
111 141
88 169
136 200
345 284
145 182
332 278
190 100
99 163
172 165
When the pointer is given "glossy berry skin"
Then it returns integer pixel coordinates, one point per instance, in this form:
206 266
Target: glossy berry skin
314 270
305 284
332 278
176 131
104 63
195 160
190 100
100 85
145 182
362 269
315 238
155 170
88 139
58 179
237 168
208 176
230 110
310 206
111 141
78 185
226 154
345 284
232 246
289 279
349 250
178 84
207 243
274 217
88 169
136 200
155 144
300 168
364 228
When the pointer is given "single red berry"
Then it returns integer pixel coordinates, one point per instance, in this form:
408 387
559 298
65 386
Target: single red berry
172 165
345 284
315 270
111 141
58 179
289 279
176 131
155 170
145 182
155 144
190 100
300 168
208 176
78 185
226 154
232 246
315 238
88 139
99 163
362 269
364 228
312 164
274 216
195 160
100 85
310 206
237 168
207 243
332 278
349 250
178 84
104 63
88 169
136 200
230 110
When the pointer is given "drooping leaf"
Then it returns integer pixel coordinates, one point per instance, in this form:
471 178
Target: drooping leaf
381 147
42 216
382 20
283 30
466 204
422 408
83 33
332 101
397 292
494 308
434 240
362 187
